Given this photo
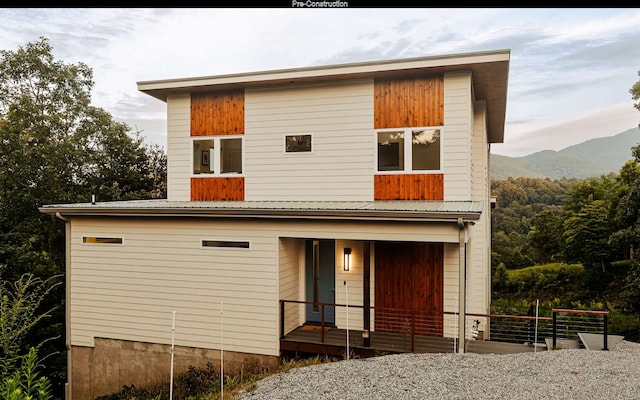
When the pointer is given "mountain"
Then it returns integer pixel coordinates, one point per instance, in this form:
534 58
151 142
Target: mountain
594 157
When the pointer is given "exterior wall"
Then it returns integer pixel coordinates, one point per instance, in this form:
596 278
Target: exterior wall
290 272
451 292
480 267
458 119
340 119
111 364
128 291
179 148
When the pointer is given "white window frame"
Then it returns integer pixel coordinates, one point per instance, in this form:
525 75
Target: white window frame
289 153
408 151
217 159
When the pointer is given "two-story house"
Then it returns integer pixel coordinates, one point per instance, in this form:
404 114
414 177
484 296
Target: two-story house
322 200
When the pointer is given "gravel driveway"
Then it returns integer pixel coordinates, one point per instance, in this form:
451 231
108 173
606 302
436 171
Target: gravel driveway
560 374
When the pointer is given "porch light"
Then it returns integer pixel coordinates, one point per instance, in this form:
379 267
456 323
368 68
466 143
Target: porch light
347 258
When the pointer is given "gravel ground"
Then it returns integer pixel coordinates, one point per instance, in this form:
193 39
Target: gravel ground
560 374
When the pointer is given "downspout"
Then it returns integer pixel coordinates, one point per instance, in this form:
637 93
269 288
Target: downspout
462 286
67 305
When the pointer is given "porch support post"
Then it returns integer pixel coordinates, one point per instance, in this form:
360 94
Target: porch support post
462 287
366 293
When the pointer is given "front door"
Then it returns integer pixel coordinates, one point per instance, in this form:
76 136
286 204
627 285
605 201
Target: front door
409 287
320 279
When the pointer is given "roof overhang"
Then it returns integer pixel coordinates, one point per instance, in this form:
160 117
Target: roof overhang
490 72
417 211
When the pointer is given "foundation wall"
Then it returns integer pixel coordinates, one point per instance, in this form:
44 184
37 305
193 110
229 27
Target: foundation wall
111 364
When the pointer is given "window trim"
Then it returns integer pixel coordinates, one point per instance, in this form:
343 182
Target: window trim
225 240
284 144
408 151
217 158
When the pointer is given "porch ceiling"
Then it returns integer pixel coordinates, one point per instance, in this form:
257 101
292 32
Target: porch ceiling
373 210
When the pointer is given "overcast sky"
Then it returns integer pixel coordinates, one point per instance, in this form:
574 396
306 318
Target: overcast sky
570 71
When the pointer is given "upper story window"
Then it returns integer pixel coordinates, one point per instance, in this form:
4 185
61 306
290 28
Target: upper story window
297 143
217 155
409 149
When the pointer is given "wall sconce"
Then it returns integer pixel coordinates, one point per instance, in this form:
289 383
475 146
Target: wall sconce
347 258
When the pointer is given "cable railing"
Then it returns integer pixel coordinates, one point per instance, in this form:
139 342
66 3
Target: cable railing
419 331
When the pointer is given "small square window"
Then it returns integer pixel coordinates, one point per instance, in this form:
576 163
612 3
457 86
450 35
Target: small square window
297 143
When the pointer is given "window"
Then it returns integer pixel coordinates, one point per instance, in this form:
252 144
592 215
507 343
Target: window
297 143
225 243
218 155
101 240
421 153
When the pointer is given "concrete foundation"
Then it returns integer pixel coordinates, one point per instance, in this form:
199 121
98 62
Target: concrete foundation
111 364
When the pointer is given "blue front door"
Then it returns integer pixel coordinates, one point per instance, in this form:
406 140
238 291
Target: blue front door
320 277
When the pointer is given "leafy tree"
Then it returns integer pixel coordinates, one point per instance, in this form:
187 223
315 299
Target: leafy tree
545 236
635 93
56 147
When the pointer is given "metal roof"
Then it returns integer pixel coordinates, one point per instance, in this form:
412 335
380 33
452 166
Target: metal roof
376 210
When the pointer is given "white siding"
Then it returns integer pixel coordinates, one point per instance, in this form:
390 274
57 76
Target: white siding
290 275
457 130
480 266
340 119
179 148
128 291
451 262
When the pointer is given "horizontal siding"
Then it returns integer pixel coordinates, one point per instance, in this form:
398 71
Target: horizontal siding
340 119
128 292
178 148
456 136
450 283
289 280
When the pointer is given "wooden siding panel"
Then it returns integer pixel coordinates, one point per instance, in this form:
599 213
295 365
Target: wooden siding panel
409 276
218 113
214 188
409 102
409 187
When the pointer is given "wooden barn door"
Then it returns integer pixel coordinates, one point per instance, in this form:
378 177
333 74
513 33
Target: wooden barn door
409 287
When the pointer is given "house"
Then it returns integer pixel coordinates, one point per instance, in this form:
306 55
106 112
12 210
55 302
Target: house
353 197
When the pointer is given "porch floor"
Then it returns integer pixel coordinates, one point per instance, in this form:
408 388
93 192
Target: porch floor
308 339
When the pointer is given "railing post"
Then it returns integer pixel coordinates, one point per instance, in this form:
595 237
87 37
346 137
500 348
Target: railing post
281 319
413 330
605 333
554 330
322 325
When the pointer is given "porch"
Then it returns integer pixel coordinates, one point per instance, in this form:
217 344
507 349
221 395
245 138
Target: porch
412 331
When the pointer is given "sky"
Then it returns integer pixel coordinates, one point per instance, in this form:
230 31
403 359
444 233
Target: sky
570 70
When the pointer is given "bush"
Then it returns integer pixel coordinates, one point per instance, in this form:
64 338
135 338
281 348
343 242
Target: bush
548 281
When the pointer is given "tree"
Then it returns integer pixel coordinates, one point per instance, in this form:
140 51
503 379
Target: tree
635 93
56 147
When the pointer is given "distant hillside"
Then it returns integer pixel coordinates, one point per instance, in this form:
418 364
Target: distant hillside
594 157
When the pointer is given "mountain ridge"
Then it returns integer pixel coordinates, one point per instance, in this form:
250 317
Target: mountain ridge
591 158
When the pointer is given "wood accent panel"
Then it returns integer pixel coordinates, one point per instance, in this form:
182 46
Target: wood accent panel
408 187
415 102
409 276
217 113
215 188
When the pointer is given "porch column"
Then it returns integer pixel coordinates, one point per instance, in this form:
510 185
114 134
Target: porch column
462 286
366 292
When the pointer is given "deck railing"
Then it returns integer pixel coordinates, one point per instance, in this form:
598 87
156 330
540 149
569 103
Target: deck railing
419 331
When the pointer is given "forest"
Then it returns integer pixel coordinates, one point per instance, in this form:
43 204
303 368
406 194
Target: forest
569 242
